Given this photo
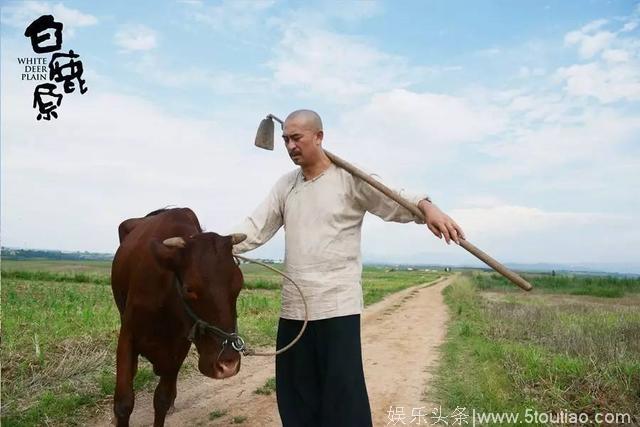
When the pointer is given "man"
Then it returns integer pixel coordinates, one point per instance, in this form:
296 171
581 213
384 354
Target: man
320 380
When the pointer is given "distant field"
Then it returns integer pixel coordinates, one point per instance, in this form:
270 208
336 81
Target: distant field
598 286
58 266
60 328
572 344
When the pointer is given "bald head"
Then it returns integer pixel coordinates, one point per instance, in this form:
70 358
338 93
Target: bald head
309 118
302 134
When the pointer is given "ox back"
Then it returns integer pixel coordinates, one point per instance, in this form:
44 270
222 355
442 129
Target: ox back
154 323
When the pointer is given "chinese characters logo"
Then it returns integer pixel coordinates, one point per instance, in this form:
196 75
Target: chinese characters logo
66 68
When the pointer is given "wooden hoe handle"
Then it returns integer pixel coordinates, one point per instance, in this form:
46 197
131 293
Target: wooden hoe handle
481 255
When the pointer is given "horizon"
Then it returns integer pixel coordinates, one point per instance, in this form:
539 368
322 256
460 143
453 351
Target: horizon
621 268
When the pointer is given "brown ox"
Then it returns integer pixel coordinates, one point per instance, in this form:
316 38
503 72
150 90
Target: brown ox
165 274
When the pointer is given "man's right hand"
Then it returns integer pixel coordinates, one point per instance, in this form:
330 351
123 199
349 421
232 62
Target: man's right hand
440 223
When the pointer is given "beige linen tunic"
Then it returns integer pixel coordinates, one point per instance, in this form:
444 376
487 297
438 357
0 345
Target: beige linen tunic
322 220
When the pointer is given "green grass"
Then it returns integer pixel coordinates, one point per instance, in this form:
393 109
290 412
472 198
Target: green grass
60 327
58 349
217 413
268 387
378 283
509 354
47 276
53 266
258 312
262 284
471 374
598 286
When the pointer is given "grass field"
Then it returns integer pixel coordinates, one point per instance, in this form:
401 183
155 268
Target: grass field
597 286
60 328
572 345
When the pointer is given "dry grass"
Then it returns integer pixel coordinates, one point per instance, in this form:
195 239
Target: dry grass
71 361
511 352
607 333
578 356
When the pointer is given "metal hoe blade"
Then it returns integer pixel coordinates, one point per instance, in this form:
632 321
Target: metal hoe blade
264 136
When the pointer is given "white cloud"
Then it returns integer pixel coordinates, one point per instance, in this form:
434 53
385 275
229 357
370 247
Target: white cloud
229 15
594 25
527 72
402 135
589 45
21 14
530 109
152 67
308 57
73 17
607 83
629 26
336 66
481 201
509 233
502 221
616 55
557 147
562 143
614 71
246 16
136 38
515 233
430 119
348 11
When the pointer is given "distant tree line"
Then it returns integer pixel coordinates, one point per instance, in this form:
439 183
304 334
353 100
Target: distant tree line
25 254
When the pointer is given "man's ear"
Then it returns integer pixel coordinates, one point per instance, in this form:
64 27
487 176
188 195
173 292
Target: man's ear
169 252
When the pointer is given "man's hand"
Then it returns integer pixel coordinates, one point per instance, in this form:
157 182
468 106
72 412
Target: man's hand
440 223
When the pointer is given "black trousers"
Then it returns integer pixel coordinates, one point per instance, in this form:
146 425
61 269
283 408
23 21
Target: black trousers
320 380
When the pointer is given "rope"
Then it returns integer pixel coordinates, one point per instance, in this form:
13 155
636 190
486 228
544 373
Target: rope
251 352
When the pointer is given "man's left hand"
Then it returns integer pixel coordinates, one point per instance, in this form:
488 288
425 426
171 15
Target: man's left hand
440 223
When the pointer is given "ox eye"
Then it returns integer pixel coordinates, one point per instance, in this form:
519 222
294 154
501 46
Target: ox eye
190 294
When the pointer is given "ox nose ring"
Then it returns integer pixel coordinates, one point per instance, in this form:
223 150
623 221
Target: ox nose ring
238 344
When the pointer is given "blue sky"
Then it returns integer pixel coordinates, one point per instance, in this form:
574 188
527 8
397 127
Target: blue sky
520 119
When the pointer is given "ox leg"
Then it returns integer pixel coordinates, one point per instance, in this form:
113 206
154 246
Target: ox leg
126 366
163 397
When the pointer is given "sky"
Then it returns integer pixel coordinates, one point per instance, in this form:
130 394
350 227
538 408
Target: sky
520 119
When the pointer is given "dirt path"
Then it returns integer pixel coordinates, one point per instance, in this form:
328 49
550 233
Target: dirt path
400 343
400 336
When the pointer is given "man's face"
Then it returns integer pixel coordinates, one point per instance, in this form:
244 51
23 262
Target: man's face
302 141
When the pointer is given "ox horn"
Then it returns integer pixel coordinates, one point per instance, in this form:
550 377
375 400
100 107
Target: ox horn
237 238
175 242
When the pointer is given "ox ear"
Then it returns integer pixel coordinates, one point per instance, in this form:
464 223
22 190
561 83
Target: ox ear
168 253
237 238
